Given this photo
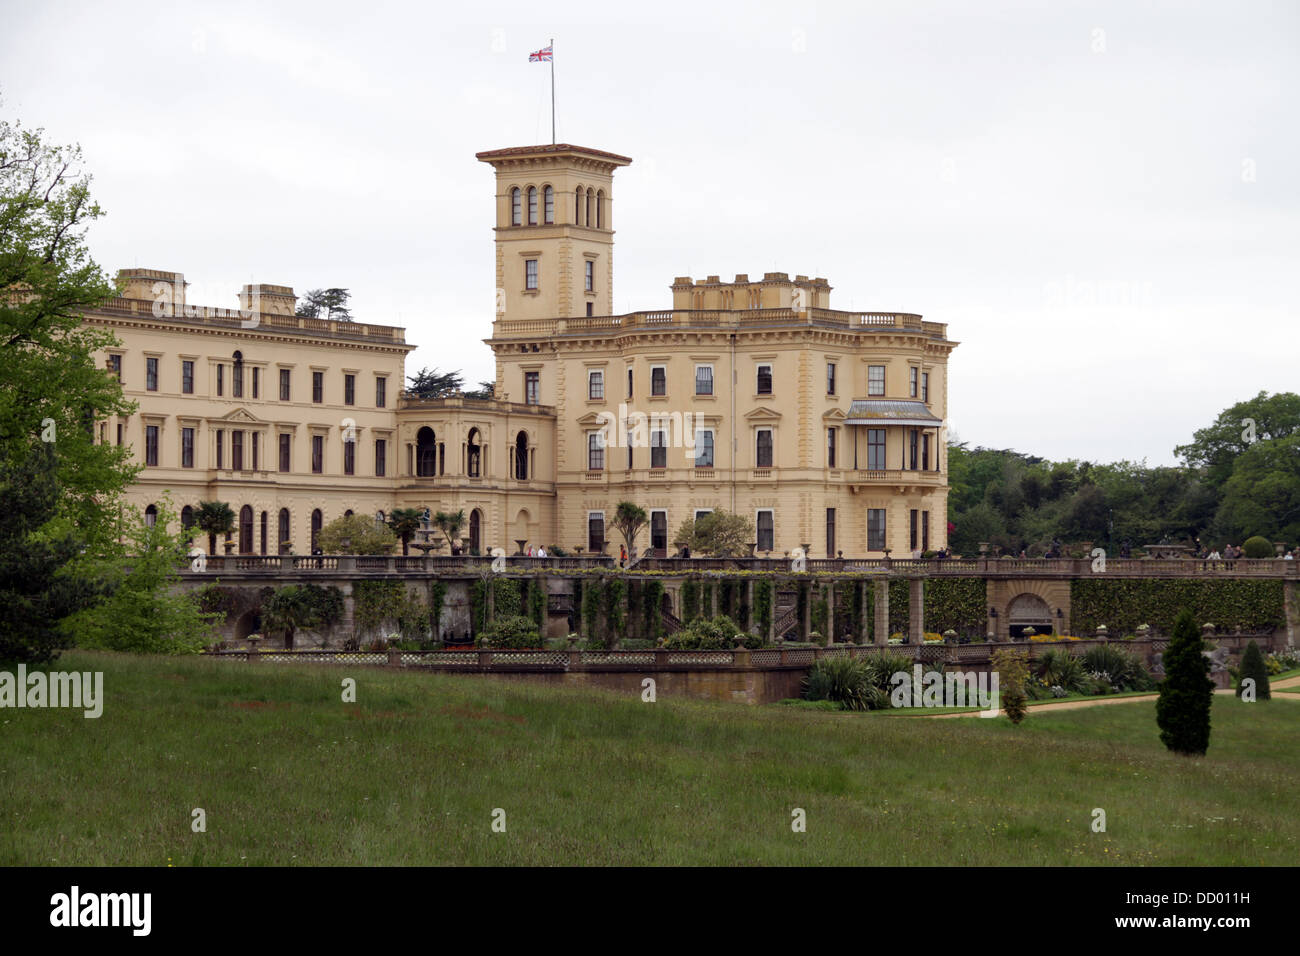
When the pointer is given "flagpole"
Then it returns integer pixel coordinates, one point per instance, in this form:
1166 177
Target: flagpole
552 91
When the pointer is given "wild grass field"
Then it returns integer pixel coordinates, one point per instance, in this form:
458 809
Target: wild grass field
287 773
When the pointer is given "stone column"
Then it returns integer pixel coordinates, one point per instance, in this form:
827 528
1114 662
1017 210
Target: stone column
830 613
916 610
807 591
749 602
865 622
771 614
882 611
714 588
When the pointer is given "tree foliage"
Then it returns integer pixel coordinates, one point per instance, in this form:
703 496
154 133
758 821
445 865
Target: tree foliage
629 519
325 304
356 534
50 388
718 534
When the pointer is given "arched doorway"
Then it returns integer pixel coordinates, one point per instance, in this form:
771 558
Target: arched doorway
283 530
476 532
263 533
426 453
1026 611
246 530
316 521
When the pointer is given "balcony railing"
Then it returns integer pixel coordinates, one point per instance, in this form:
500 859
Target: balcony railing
865 322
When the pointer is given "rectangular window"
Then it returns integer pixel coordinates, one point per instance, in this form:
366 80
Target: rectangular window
284 384
596 385
381 457
532 388
151 374
349 458
530 274
911 381
221 378
237 380
764 380
830 532
591 276
830 378
253 436
595 451
596 532
119 433
115 363
221 447
317 454
658 380
658 450
875 529
237 450
766 525
659 530
704 380
830 448
151 444
875 449
257 381
187 447
925 531
704 449
318 387
912 528
629 383
875 380
763 448
925 452
381 392
349 389
914 436
925 387
284 452
187 377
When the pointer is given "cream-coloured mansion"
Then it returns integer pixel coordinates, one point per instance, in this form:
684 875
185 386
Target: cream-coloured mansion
826 428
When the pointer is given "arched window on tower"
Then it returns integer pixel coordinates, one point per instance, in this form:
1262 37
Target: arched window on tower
577 207
516 207
532 205
426 453
548 205
473 453
600 209
586 214
237 377
521 456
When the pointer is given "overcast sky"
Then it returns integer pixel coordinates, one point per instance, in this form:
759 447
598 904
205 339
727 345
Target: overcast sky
1100 199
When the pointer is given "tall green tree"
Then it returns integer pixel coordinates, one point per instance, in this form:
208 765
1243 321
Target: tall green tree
718 534
356 534
1186 693
431 383
51 390
1215 448
40 586
450 524
1254 668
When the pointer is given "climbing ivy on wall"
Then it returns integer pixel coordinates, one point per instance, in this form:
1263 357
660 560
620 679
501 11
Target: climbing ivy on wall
763 592
1123 604
690 600
437 597
537 602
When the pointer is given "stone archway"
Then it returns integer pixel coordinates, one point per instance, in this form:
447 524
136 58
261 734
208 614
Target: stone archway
1029 610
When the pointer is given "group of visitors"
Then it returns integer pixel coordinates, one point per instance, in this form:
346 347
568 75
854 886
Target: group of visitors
538 552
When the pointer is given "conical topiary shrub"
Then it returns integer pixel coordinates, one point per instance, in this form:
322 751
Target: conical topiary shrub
1253 666
1183 710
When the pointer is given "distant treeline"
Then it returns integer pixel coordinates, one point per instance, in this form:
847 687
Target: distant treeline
1240 477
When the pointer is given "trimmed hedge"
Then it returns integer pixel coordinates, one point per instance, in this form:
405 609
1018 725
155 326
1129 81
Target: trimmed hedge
1122 605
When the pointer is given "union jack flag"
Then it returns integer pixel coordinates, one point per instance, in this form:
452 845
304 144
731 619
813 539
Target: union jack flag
544 55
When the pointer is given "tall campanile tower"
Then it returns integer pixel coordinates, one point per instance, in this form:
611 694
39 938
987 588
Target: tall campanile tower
554 230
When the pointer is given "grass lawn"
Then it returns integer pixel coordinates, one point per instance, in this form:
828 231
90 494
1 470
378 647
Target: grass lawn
411 774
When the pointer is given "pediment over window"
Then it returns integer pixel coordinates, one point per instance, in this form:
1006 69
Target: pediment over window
239 416
763 414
